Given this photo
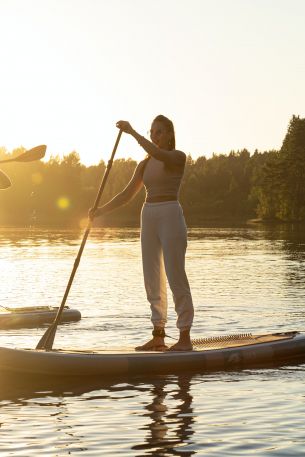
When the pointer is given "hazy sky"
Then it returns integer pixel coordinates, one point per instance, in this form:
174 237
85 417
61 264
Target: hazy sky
229 73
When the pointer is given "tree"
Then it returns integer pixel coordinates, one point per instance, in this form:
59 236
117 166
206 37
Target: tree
292 164
281 191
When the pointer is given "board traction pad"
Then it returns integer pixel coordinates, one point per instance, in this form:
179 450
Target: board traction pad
200 344
245 339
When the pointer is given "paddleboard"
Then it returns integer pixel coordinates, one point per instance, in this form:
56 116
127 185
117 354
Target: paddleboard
35 316
210 354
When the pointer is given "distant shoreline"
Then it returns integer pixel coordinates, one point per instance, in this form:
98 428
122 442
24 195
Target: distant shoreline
132 224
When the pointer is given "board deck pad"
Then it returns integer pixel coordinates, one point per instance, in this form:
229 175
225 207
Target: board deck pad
229 341
199 344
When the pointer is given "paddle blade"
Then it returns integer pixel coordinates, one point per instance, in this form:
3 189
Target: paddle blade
47 339
36 153
4 181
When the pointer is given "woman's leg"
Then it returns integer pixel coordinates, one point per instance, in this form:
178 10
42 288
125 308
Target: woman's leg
173 237
154 276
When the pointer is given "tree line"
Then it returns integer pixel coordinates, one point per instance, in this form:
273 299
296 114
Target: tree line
269 185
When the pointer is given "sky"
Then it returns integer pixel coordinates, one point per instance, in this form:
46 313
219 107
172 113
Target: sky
229 73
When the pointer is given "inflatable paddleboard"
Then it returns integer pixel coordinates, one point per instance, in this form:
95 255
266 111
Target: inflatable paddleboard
209 354
35 316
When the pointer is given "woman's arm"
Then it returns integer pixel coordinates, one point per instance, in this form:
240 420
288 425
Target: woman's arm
174 158
127 194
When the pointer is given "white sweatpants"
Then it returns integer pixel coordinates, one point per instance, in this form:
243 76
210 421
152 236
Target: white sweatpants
164 242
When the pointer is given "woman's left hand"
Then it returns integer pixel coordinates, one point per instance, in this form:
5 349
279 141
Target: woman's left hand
125 126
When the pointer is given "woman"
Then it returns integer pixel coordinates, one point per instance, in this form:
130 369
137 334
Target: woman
163 230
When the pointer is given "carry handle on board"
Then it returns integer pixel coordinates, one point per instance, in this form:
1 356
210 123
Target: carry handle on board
46 342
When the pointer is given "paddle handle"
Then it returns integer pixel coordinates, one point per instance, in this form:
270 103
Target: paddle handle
46 342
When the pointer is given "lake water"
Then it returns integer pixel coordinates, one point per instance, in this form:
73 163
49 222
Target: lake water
246 279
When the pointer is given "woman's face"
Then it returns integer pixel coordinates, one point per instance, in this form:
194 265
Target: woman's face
159 135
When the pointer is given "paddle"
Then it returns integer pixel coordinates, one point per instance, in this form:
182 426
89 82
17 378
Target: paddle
4 181
4 307
28 156
46 342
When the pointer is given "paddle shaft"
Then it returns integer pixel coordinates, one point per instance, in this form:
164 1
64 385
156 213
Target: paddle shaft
46 342
8 160
4 307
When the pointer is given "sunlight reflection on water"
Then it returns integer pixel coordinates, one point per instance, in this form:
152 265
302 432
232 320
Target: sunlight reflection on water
248 279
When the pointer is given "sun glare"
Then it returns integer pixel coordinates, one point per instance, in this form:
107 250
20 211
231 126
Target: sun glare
63 203
37 178
83 223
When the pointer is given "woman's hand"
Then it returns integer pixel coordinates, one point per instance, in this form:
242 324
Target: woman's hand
125 126
92 213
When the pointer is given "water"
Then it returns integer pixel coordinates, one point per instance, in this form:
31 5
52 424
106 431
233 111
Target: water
248 279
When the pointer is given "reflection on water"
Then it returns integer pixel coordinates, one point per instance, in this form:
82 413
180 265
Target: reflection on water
212 415
169 427
243 279
166 407
36 236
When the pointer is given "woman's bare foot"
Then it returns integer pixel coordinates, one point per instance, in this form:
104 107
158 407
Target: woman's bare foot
181 347
155 344
184 343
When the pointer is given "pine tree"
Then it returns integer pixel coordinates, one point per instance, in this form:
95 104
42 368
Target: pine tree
292 164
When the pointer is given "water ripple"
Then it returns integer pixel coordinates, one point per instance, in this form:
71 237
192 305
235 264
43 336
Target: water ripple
248 279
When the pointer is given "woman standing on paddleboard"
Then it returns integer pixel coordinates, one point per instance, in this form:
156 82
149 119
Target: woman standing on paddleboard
163 229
